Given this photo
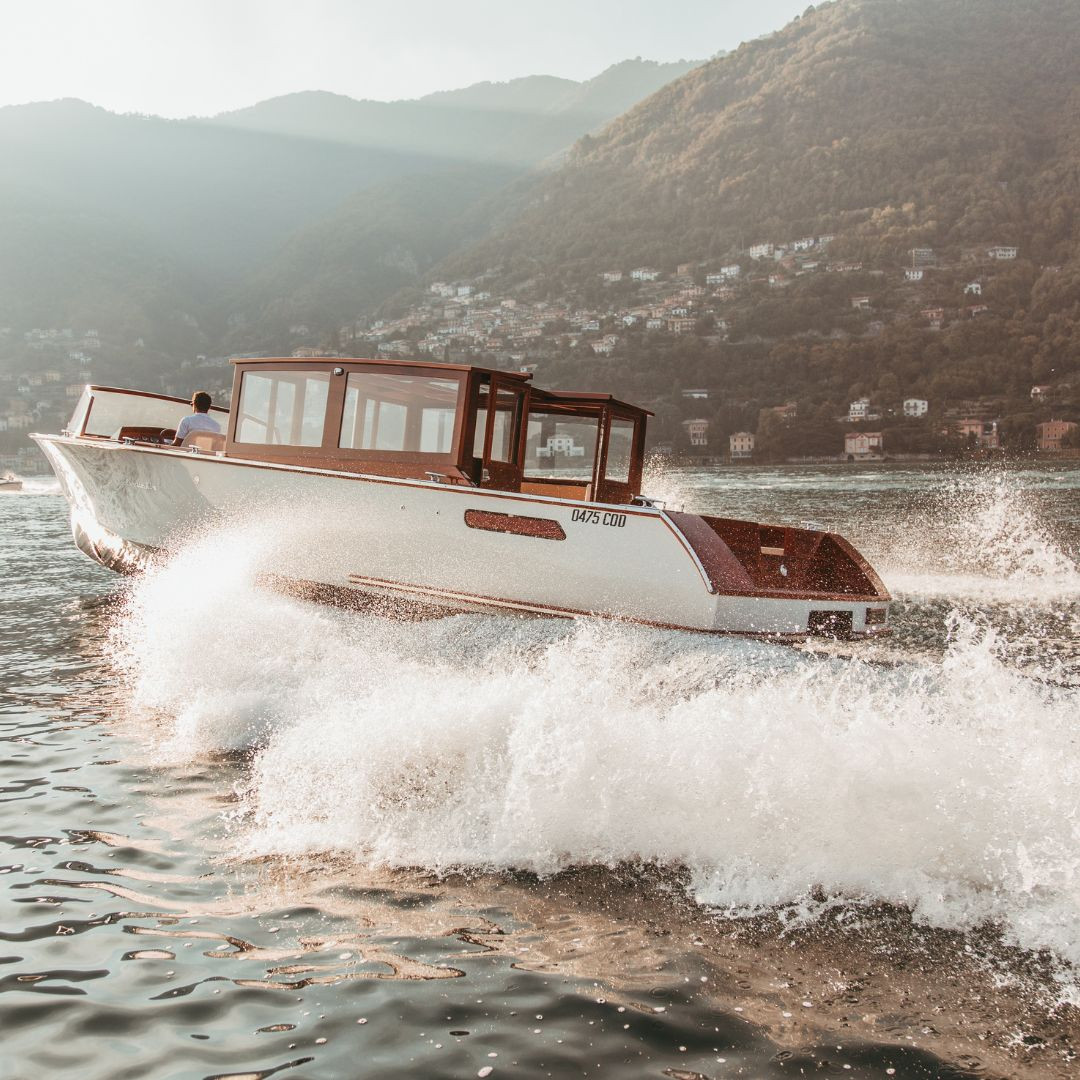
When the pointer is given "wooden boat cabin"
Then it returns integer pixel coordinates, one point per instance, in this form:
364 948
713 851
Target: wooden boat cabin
449 423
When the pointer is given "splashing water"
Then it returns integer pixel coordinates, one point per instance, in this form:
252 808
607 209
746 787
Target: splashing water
950 785
985 542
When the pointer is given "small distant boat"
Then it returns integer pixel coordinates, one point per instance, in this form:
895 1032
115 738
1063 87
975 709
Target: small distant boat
10 482
443 488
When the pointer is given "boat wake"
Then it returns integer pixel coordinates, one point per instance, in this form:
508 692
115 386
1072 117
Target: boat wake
985 541
773 778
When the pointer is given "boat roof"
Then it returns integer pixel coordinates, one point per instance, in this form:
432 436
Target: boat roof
574 397
395 361
554 397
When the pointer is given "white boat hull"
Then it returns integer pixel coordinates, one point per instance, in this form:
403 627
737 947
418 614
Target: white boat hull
361 535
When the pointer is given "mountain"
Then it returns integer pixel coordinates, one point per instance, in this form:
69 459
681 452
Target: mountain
949 126
891 123
516 123
124 217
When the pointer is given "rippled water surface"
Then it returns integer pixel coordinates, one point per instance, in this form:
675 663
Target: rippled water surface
243 835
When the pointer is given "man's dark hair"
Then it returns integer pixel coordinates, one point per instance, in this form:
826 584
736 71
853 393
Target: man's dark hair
202 401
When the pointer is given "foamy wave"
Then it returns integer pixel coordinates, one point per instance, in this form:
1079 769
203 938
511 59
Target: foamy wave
949 785
984 542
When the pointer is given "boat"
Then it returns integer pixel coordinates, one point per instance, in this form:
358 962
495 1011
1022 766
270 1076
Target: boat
10 482
446 488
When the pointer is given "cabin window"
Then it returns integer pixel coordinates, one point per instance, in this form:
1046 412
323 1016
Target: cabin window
399 413
620 450
561 445
282 408
507 424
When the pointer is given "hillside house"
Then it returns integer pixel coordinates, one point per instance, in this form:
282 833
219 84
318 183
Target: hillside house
644 273
1053 433
654 324
859 410
860 303
973 288
696 395
934 316
697 431
863 444
784 413
916 407
612 275
684 269
761 251
741 445
975 310
922 256
913 274
982 434
560 446
1038 393
1003 252
682 324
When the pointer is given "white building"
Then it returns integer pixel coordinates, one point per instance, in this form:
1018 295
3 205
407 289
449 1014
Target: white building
612 275
729 273
914 275
916 407
697 431
1003 252
859 410
761 251
862 444
644 273
560 444
973 288
742 445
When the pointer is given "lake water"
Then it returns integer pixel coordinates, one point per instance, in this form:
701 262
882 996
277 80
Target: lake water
243 835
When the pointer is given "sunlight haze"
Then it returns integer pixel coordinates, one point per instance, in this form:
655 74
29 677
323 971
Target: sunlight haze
199 57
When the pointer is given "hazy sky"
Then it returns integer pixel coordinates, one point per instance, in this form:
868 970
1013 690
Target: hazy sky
196 57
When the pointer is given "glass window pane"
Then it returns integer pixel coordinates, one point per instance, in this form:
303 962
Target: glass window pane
111 410
313 416
481 422
283 408
620 448
507 407
559 445
399 413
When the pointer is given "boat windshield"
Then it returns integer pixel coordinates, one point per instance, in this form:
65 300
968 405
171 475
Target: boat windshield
561 445
403 413
282 408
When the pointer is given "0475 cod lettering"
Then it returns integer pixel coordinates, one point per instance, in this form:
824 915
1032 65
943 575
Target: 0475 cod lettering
594 517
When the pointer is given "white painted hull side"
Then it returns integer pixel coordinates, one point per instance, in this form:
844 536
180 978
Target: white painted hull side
409 538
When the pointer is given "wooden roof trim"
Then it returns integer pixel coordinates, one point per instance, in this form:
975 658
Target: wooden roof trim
405 365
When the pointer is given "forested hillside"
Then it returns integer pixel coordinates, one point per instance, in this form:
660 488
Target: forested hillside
890 123
862 174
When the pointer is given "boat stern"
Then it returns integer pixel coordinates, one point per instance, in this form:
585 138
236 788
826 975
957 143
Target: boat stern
783 581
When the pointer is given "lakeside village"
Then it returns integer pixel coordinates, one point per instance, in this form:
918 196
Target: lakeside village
44 370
